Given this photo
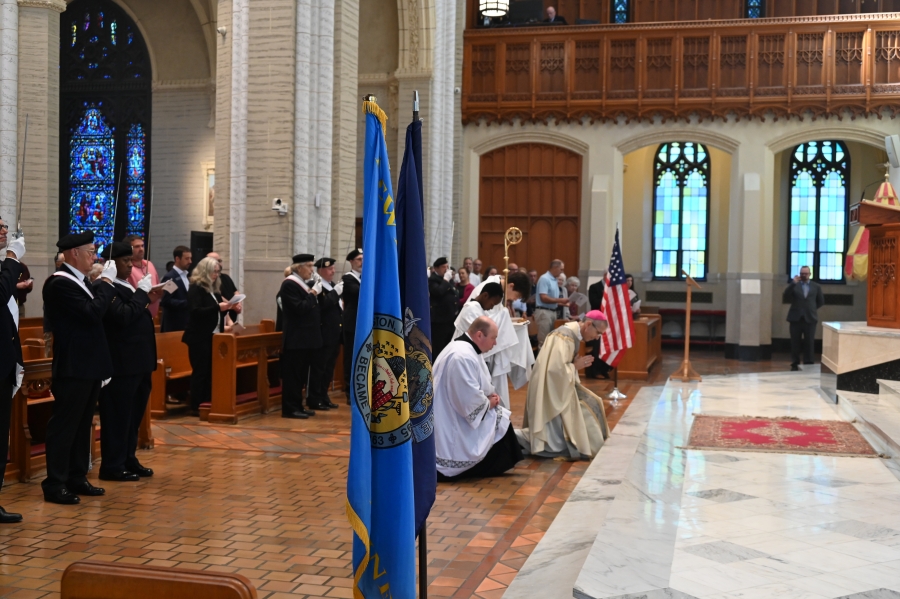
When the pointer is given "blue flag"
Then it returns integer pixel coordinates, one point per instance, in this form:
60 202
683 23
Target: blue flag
416 321
380 503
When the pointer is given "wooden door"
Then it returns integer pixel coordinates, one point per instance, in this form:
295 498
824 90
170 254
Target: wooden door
536 187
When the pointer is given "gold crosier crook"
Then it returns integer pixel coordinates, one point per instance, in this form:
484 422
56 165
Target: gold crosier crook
513 236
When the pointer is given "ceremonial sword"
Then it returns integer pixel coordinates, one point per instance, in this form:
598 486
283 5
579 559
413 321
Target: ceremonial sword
22 182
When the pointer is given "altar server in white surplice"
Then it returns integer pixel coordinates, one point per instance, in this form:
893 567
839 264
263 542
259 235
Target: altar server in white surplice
473 435
486 300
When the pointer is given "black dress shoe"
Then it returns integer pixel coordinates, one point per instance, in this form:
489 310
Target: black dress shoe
297 415
140 470
86 488
62 497
319 407
331 405
122 476
9 518
308 412
794 368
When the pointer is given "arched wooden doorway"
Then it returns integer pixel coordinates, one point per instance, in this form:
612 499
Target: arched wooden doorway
536 187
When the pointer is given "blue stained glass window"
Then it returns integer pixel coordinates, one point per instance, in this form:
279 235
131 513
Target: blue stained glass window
92 177
681 210
818 223
755 9
137 163
620 11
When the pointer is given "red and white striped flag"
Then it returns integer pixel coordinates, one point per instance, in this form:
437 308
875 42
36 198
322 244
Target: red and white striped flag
617 307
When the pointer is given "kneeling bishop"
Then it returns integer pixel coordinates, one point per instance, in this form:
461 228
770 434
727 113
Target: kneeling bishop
473 435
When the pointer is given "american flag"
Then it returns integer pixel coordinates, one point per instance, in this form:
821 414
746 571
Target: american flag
617 307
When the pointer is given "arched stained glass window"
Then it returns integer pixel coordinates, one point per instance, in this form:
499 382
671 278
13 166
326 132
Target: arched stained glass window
820 172
681 210
755 9
620 11
105 106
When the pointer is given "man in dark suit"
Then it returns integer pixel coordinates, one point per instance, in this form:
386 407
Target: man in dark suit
443 299
595 295
175 305
81 365
350 296
11 350
132 346
806 298
330 315
301 340
553 18
598 368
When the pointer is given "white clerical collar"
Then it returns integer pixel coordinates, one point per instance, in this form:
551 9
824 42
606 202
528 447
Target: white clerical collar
124 283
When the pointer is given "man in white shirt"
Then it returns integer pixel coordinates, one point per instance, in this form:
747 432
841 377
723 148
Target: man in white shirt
473 435
175 305
475 275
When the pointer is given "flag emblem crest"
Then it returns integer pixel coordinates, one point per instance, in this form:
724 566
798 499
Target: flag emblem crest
418 371
380 381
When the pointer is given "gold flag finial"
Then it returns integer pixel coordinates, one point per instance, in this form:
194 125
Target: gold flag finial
370 106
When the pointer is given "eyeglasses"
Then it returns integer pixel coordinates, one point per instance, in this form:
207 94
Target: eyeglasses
4 227
91 251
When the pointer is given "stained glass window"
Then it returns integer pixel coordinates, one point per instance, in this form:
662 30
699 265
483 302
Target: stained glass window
105 108
92 177
818 226
681 210
620 11
755 9
137 162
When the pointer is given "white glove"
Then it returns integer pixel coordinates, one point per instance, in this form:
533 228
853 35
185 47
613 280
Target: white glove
448 276
17 246
339 287
145 284
317 286
109 270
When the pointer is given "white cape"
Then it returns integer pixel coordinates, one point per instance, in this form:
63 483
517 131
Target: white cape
498 359
465 425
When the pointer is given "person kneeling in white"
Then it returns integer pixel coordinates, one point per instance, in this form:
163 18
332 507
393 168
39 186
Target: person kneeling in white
473 435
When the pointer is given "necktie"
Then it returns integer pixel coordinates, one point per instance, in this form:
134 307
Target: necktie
87 282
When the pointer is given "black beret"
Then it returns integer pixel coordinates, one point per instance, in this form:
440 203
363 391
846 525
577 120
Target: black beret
74 240
439 262
120 249
324 262
302 258
354 254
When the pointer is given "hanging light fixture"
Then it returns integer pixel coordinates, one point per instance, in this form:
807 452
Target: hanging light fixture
493 8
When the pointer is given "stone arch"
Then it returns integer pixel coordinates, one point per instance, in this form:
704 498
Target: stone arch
708 138
536 136
827 131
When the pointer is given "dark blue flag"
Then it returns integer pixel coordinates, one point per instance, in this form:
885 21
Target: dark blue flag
416 321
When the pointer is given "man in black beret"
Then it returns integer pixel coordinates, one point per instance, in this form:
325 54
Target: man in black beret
443 299
301 339
132 345
350 295
81 365
10 347
330 314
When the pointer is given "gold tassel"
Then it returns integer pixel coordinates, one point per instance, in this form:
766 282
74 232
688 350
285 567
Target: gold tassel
370 106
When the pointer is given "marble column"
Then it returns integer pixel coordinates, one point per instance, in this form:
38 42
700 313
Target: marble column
346 111
9 93
237 180
38 81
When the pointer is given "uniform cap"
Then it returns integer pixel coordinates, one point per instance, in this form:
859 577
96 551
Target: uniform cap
74 240
439 262
354 254
324 262
302 258
120 249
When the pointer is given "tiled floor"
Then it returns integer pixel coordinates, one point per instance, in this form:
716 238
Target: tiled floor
266 499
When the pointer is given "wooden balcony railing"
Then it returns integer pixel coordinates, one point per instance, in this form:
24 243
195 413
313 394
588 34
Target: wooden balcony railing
819 65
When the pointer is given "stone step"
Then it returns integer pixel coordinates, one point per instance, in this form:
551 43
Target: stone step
889 392
877 417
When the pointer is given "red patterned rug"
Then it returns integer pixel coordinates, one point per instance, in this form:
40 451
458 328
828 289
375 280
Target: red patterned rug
782 435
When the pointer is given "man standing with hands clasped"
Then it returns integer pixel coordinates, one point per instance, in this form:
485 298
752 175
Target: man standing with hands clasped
806 298
81 365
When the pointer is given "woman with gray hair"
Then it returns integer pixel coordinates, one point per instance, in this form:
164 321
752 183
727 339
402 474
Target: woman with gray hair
206 311
578 302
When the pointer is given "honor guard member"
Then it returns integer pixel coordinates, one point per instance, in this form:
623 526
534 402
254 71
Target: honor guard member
350 296
301 340
10 347
81 365
330 310
442 297
132 346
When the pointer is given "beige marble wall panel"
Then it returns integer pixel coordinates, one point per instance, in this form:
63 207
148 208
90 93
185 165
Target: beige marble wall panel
38 91
180 143
845 351
345 131
270 128
263 279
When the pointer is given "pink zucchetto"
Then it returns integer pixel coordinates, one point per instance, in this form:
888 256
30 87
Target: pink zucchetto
595 315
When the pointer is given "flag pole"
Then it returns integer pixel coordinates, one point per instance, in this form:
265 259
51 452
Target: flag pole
423 532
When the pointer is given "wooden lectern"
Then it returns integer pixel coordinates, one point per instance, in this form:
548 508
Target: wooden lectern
686 372
882 220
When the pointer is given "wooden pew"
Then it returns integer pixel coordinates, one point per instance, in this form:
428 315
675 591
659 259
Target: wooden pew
31 408
172 367
32 321
95 580
232 356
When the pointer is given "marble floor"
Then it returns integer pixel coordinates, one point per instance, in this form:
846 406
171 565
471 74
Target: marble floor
666 522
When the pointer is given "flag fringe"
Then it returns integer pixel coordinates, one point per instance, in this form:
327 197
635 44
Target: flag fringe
359 528
371 107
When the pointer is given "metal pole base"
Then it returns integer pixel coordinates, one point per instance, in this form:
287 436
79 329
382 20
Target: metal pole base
616 395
